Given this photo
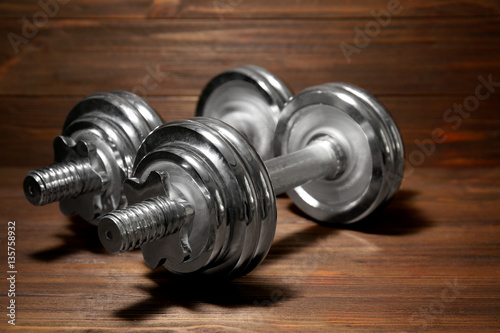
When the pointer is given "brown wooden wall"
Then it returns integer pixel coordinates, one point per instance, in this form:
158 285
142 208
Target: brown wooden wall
439 237
426 59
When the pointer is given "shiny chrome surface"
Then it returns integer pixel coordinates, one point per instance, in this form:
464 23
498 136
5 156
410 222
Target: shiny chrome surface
322 158
250 99
368 138
204 178
94 155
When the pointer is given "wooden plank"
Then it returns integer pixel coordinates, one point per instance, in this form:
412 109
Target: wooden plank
255 37
409 57
245 9
28 126
428 261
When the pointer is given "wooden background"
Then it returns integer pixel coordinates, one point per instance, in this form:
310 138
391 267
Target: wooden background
429 261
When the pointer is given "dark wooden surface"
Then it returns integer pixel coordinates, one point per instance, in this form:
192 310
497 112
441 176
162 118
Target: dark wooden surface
428 261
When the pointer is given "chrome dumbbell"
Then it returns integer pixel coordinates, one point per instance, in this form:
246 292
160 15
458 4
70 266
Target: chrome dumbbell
250 99
248 87
204 201
94 155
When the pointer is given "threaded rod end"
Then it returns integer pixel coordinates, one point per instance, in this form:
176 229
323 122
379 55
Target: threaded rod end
59 181
143 222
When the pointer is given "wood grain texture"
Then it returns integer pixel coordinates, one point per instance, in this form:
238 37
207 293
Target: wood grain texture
430 261
424 56
251 9
388 273
479 134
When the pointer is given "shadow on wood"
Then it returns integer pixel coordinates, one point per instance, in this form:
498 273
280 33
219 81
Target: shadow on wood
397 217
189 293
297 241
84 237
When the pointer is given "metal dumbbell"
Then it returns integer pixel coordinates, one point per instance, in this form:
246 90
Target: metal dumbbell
93 156
204 201
250 99
248 87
